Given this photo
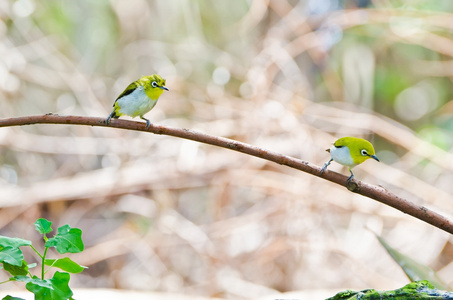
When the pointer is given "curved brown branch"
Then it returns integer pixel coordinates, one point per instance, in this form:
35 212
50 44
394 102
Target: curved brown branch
375 192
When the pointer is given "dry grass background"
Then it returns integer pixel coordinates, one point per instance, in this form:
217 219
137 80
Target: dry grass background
169 215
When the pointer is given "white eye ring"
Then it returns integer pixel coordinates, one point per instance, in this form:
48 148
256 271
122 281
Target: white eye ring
154 84
363 152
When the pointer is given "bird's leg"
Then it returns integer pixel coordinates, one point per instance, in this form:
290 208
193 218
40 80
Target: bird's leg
352 185
326 165
107 121
148 123
350 177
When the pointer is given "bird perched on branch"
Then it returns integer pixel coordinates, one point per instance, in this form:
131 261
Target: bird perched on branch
350 152
138 98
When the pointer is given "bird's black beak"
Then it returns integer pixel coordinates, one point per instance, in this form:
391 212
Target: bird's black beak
375 157
164 88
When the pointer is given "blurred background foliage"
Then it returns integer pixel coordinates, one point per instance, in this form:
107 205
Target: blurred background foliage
164 214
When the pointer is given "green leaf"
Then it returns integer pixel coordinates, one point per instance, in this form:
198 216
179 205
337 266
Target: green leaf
414 270
23 278
56 288
10 252
13 242
43 226
66 264
12 298
31 266
16 270
12 256
67 240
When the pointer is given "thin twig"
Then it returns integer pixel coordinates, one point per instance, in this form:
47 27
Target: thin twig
375 192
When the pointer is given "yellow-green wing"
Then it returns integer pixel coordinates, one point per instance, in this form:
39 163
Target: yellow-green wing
339 143
131 87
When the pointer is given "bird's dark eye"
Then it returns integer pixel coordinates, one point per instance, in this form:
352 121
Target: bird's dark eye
363 152
154 84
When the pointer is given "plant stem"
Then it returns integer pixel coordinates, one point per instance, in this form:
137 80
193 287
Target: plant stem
42 263
5 281
34 249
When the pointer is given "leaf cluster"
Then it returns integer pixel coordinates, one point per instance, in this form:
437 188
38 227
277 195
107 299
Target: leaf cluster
67 240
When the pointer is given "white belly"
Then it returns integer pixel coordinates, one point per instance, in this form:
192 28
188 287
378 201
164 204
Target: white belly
136 103
342 156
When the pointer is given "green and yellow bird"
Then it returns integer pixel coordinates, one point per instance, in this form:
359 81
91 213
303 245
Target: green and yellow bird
138 98
350 152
